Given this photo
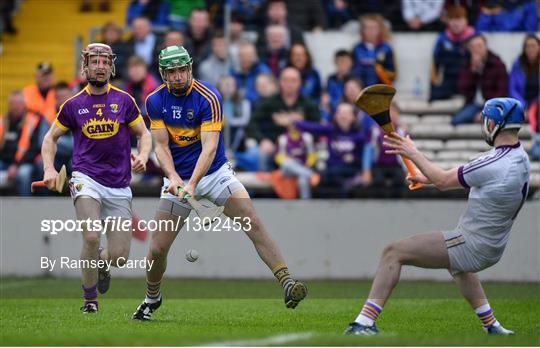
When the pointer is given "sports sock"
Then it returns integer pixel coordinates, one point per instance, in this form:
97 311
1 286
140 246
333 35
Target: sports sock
369 313
153 292
281 272
90 294
486 316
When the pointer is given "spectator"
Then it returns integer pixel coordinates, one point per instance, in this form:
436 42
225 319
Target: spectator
277 14
216 65
250 67
373 57
422 15
449 54
275 52
524 76
296 157
267 86
390 10
140 83
345 148
338 12
156 11
237 111
179 12
289 101
171 38
300 58
200 35
472 8
388 175
308 15
78 83
351 90
366 125
334 86
251 11
20 149
523 83
11 127
86 5
144 41
111 34
7 7
325 109
40 97
64 146
482 77
502 15
236 37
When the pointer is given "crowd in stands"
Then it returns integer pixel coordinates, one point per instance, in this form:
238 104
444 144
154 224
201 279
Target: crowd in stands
279 111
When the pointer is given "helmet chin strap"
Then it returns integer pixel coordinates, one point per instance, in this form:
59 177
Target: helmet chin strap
179 91
97 83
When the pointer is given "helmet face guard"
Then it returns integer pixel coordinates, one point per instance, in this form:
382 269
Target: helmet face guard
499 114
92 72
172 58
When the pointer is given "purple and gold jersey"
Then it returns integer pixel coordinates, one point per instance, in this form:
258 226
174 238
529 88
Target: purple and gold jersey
185 117
101 139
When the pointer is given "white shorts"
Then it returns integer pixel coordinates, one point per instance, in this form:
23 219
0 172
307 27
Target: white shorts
463 255
216 187
114 202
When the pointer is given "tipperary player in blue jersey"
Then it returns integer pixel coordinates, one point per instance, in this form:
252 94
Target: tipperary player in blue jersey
186 122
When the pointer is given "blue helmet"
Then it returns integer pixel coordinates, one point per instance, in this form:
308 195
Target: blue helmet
499 114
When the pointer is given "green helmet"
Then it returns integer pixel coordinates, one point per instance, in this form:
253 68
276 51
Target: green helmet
173 57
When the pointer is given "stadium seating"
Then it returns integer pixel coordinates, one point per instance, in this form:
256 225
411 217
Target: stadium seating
38 40
428 123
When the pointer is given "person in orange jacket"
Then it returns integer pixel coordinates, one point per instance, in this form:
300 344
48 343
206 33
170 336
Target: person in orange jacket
40 97
19 143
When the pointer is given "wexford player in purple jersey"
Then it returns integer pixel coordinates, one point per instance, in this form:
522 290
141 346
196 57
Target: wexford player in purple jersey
100 118
187 119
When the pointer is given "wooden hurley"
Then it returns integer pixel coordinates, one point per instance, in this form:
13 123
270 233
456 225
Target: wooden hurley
59 184
375 100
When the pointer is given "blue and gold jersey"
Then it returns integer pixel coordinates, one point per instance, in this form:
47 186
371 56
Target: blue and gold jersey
184 118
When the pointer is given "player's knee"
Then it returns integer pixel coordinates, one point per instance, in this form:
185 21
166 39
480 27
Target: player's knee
158 251
120 261
391 252
252 224
119 257
91 241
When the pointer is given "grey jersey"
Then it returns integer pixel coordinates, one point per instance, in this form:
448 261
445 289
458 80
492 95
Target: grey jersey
499 186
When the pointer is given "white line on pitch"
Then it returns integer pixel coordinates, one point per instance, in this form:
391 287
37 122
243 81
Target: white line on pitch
279 339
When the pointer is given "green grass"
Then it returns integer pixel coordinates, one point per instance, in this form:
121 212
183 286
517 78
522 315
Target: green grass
198 312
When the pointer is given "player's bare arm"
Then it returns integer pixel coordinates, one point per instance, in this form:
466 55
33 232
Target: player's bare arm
48 151
442 179
209 142
138 162
164 156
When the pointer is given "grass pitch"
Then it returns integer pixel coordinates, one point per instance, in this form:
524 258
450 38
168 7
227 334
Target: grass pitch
45 311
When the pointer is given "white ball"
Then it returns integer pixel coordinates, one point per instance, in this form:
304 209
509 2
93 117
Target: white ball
192 255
